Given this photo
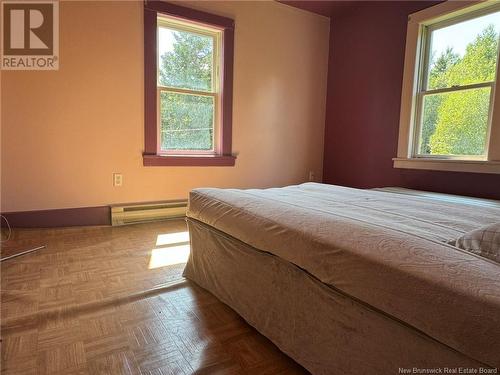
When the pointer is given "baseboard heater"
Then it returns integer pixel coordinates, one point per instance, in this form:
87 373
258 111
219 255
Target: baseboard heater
122 214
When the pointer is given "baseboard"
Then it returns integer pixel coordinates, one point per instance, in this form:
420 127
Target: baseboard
65 217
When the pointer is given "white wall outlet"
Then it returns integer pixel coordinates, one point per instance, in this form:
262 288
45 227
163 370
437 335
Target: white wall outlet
311 176
117 179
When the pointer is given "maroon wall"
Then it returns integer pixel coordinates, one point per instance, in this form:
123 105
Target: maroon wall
364 90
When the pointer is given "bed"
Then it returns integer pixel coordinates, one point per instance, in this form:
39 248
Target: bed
350 281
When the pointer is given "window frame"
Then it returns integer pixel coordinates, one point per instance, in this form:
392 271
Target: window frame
414 89
216 35
222 153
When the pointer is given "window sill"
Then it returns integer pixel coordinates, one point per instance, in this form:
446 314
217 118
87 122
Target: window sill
470 166
188 160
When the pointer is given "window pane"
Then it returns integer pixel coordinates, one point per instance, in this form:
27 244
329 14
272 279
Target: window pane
186 122
185 59
455 123
464 53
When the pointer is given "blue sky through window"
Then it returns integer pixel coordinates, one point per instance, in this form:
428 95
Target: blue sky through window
459 35
165 42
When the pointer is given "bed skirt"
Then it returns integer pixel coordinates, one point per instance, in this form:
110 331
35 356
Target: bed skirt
321 328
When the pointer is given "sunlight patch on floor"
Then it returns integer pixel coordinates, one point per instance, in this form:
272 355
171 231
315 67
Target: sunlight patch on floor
172 238
168 256
175 251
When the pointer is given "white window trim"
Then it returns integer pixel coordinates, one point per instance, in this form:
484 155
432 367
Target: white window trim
406 141
216 35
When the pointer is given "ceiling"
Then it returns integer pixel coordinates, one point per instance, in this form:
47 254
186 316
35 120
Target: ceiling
334 8
325 8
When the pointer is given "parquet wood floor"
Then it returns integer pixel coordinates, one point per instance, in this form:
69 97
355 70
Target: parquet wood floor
92 303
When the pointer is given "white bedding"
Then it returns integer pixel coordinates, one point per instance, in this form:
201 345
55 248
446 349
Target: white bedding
385 249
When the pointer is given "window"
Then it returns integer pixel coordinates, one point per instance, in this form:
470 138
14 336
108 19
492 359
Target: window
188 86
448 118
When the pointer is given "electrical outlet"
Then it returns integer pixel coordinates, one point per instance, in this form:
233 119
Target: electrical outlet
117 179
311 176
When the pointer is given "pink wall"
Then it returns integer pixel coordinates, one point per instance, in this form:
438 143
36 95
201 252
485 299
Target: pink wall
64 133
364 88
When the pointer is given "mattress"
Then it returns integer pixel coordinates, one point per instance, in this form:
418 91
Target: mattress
325 331
385 250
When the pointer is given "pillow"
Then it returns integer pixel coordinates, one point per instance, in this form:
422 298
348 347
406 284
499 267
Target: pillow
484 241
